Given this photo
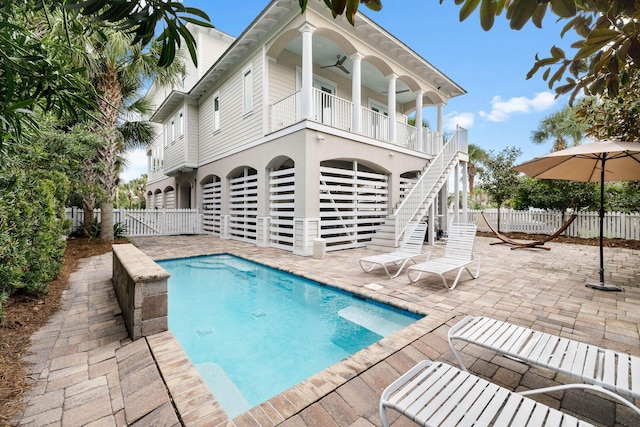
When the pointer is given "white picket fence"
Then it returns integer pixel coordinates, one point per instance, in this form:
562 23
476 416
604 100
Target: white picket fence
150 222
587 224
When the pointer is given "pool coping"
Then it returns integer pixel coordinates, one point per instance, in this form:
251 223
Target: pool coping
195 404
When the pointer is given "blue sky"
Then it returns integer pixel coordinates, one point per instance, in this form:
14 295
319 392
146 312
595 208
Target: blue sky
500 109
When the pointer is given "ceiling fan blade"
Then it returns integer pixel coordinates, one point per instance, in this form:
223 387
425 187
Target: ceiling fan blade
343 69
329 66
341 60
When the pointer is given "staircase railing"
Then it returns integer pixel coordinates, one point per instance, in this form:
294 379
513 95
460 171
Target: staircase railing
414 200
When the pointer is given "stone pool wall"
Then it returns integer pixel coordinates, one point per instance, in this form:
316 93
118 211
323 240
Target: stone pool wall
141 287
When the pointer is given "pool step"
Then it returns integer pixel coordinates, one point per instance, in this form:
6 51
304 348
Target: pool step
370 321
224 390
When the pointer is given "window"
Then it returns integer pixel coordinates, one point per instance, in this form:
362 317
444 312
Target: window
216 113
247 90
181 124
173 130
165 135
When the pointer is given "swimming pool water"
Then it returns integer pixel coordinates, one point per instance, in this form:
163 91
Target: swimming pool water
253 331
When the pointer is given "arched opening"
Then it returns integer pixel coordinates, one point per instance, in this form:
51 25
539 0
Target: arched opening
354 199
281 202
169 198
157 199
211 204
243 204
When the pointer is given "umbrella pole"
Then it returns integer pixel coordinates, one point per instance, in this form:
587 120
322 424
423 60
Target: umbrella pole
601 286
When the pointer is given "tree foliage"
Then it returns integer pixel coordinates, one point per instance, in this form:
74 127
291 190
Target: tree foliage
613 117
560 127
477 156
606 52
499 179
556 195
35 74
623 197
38 66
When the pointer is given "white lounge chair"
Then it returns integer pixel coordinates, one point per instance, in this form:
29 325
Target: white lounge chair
458 255
438 394
410 248
606 371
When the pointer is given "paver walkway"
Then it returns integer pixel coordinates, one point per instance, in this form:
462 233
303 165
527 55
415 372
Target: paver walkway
86 370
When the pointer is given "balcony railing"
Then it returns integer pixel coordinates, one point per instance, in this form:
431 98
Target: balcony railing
336 112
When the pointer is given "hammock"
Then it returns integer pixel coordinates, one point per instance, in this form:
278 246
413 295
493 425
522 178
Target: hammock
538 244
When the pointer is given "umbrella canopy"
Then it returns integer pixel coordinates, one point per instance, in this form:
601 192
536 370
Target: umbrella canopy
606 160
584 163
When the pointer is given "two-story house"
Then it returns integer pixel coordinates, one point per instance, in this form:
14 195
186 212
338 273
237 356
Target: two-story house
299 130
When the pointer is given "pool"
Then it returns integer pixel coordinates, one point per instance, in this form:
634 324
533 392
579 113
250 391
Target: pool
253 331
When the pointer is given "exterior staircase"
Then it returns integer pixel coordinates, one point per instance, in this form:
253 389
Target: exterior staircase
415 206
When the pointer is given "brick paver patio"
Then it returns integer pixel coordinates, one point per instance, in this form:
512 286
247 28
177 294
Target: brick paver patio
86 371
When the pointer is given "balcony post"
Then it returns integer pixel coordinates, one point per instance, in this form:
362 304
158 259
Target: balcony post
456 193
465 191
419 134
356 90
306 96
391 106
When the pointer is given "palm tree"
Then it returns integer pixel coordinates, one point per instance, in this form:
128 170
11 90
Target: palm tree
476 157
560 127
120 72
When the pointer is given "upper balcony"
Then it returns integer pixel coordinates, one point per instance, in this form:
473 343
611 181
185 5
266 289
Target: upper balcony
336 112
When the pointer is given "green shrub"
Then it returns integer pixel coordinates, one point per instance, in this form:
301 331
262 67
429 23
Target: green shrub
31 229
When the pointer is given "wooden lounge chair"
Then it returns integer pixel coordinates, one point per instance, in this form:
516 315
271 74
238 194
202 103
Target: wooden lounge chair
458 255
606 371
410 248
519 244
438 394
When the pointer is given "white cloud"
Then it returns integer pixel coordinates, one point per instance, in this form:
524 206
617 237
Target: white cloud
464 120
136 165
502 110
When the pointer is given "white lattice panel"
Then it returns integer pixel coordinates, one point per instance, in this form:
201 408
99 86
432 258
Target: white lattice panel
281 208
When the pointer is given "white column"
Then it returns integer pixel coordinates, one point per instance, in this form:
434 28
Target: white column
356 91
456 194
391 107
306 96
419 133
465 191
444 200
431 224
440 118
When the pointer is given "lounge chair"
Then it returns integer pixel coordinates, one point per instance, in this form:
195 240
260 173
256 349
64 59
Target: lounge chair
410 248
516 244
458 255
606 371
438 394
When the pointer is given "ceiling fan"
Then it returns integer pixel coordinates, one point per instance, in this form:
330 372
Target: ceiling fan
398 91
339 63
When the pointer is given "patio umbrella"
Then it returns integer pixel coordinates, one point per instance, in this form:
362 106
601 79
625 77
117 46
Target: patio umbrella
600 161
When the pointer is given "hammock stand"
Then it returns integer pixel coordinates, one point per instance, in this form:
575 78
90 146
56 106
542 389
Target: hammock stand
538 244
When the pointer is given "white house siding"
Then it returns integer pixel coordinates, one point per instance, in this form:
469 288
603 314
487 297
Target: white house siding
192 133
236 128
282 76
174 154
211 45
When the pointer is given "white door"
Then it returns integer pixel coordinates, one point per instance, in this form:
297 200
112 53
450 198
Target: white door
323 102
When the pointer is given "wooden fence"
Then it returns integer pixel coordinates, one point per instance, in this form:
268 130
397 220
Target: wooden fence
141 222
616 225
